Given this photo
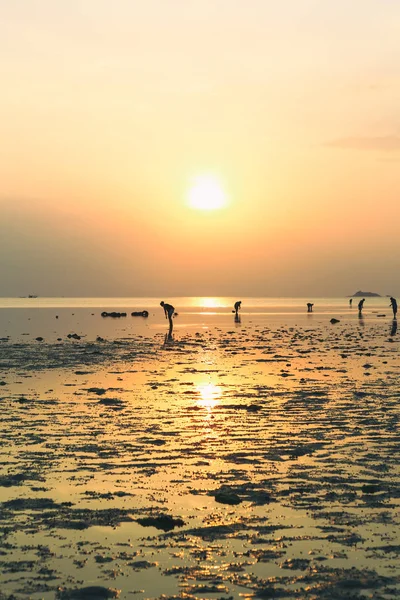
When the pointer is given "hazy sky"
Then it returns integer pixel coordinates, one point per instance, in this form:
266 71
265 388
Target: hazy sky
109 110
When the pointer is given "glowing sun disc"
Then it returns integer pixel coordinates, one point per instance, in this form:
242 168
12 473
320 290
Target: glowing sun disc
206 193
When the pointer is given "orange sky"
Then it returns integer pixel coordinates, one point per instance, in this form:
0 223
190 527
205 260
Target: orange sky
109 110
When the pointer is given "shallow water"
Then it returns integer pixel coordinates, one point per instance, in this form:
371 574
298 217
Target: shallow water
265 454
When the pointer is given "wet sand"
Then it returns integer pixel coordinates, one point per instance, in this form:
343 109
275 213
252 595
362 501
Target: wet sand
253 460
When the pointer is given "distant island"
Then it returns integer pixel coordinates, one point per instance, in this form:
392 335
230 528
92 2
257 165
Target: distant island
366 295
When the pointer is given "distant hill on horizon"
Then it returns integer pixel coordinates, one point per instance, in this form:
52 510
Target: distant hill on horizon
366 294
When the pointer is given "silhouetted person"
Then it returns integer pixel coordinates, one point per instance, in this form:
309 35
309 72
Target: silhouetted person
169 313
394 328
393 304
351 302
361 305
309 306
237 306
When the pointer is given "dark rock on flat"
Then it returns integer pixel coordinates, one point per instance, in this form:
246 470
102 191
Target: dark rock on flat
163 522
253 407
114 315
74 336
333 321
12 480
39 339
370 488
142 313
97 391
248 407
138 565
93 592
111 401
23 400
34 504
227 496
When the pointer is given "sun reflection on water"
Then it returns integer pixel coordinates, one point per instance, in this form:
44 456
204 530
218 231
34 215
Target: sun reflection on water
211 303
209 395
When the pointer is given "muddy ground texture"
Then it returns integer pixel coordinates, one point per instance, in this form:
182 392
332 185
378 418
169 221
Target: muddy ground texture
253 462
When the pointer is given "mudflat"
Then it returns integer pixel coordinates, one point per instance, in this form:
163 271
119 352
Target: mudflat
255 460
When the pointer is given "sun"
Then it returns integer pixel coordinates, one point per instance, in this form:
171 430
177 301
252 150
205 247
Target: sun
206 193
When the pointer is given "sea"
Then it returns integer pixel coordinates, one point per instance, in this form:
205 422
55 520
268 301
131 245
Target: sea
54 318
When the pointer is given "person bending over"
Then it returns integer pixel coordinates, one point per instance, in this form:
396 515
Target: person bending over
237 306
169 312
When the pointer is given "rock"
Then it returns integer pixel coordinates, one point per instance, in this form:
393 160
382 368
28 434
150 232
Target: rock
114 315
333 321
227 496
370 488
111 401
39 339
143 313
100 339
99 558
138 565
74 336
163 522
93 592
3 383
97 391
253 407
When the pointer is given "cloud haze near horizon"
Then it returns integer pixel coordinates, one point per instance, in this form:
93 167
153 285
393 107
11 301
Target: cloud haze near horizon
108 112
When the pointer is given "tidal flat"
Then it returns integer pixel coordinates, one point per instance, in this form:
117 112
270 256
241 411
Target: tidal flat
233 461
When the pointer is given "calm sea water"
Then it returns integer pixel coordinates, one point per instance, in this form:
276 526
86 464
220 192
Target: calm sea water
197 304
23 319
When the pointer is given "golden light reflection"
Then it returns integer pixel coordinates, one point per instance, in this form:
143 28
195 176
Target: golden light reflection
211 303
209 395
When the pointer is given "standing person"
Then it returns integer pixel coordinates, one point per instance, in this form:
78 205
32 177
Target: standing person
393 304
169 313
237 306
309 306
351 302
361 305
